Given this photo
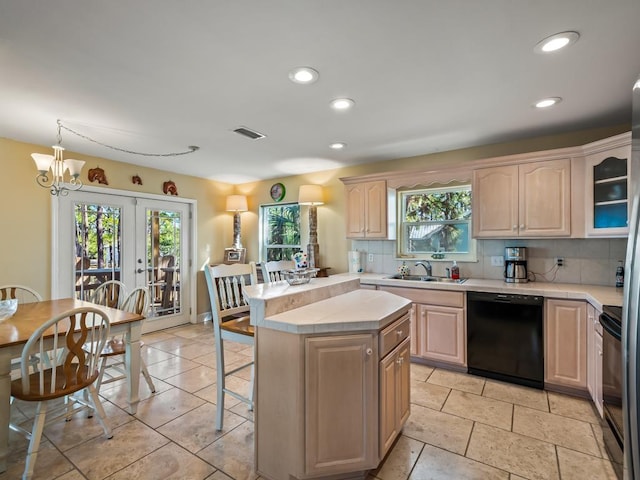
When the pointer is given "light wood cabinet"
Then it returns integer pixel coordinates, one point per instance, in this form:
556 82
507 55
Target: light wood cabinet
439 329
608 187
566 344
370 209
394 394
594 356
340 385
525 200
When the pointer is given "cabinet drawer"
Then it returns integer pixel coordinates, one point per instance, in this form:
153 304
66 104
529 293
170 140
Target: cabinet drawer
446 298
395 333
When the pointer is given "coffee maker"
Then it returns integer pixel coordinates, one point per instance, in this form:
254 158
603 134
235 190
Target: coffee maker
515 265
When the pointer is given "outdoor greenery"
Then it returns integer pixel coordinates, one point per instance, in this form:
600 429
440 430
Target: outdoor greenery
98 235
437 220
281 231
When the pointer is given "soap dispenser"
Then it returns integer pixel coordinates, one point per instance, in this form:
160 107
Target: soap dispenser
455 271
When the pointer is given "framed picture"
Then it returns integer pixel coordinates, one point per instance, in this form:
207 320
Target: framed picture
235 255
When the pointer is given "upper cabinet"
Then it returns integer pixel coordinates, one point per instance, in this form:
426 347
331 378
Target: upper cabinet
370 210
526 200
607 187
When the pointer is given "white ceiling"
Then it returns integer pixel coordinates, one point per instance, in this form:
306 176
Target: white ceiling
426 76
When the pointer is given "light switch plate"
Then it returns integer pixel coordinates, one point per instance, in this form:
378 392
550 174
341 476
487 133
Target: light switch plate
371 257
497 261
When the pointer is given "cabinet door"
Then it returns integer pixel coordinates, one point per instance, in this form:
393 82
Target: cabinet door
566 343
607 192
376 209
414 329
598 373
355 210
545 199
495 202
341 404
394 395
442 334
591 351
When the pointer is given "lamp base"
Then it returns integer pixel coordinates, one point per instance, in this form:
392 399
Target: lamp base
313 255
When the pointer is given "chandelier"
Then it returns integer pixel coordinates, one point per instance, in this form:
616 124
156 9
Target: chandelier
58 167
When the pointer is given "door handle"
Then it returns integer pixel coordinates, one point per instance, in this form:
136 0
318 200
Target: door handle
140 270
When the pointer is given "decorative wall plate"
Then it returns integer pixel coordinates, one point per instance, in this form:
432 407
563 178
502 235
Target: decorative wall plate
278 191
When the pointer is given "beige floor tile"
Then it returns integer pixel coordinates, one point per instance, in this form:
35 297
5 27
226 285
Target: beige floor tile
457 380
524 456
518 394
65 435
400 460
555 429
173 344
154 337
132 442
438 429
197 349
74 475
573 407
480 409
234 346
194 379
429 394
208 359
169 463
152 355
166 406
233 453
578 466
419 372
192 331
118 393
209 394
169 368
437 464
218 475
196 429
50 463
242 409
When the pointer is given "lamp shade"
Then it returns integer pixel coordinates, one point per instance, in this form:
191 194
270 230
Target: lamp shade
310 195
237 203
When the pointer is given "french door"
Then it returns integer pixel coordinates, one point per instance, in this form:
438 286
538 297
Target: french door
142 242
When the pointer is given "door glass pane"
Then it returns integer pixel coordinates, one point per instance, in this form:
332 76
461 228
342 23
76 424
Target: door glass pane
163 261
98 241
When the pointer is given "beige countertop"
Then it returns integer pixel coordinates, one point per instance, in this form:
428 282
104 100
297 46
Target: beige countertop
597 295
324 305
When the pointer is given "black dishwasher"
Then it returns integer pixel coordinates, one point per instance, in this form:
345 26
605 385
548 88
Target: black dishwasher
504 337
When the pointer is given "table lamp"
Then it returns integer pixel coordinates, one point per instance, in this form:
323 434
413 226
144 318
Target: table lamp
312 195
236 204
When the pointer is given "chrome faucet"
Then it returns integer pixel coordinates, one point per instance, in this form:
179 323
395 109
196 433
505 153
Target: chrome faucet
427 267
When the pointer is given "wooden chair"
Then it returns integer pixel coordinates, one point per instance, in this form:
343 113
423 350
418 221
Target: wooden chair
225 283
164 281
22 293
136 302
271 271
109 294
71 375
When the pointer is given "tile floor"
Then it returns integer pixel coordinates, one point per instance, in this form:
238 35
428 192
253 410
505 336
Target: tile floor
461 427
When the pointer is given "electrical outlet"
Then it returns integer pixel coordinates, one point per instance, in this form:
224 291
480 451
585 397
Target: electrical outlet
560 261
371 257
497 261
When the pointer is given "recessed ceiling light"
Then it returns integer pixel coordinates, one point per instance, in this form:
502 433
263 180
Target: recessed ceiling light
303 75
556 42
338 145
342 104
547 102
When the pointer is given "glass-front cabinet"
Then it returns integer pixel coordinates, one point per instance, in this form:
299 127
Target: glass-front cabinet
607 191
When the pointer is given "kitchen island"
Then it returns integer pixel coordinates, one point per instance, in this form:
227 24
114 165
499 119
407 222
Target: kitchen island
332 377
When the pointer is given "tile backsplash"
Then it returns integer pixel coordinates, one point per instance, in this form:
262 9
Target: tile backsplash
586 261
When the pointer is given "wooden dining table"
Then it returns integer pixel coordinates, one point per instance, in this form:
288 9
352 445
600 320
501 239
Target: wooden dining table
15 331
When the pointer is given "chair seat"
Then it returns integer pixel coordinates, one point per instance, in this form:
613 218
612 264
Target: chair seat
238 325
115 346
82 379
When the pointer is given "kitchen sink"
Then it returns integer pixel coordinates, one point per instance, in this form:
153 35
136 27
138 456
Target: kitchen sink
425 278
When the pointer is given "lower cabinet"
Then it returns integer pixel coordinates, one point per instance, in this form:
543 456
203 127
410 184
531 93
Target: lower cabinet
438 325
395 372
594 356
566 344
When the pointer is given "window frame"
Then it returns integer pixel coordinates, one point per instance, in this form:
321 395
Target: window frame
263 248
402 240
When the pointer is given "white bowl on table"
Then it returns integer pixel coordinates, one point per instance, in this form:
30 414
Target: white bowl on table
8 308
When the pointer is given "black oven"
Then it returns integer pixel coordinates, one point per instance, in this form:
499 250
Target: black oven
612 428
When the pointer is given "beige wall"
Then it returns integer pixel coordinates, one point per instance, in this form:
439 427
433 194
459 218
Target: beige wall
25 256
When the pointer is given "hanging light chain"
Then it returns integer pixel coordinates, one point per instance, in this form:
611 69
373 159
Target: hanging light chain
192 148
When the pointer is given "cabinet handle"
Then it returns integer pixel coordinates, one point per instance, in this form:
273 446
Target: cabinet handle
522 227
400 360
399 333
515 227
369 351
